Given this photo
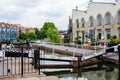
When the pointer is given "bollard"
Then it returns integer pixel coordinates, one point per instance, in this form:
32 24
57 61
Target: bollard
119 53
36 58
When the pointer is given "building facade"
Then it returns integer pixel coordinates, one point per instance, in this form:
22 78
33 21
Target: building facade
11 31
101 20
69 31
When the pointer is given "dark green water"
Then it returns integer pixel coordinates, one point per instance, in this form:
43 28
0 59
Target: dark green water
102 72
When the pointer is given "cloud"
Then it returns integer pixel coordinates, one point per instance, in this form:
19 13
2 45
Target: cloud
33 13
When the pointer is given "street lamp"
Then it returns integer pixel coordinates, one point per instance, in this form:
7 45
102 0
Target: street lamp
95 38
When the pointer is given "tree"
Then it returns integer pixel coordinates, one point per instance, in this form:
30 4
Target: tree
37 32
23 36
44 29
31 36
53 35
49 30
28 36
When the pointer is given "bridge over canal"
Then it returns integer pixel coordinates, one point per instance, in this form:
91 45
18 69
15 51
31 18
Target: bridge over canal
85 54
78 54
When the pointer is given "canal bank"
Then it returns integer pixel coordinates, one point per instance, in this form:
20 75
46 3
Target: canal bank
33 76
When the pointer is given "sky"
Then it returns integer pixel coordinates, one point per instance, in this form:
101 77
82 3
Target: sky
33 13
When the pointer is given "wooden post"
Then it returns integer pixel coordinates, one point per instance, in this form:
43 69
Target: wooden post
39 60
119 53
118 72
79 61
36 59
79 72
99 58
22 63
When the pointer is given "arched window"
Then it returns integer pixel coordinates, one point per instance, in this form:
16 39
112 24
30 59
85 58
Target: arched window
119 16
91 21
77 23
83 22
99 18
108 18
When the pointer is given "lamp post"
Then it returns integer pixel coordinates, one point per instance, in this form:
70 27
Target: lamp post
95 38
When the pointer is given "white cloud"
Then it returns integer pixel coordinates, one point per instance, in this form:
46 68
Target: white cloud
33 13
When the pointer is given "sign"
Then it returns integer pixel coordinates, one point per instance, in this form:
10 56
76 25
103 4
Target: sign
15 54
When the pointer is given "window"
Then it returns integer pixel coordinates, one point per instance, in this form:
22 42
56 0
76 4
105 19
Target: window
83 33
108 18
13 33
99 20
83 22
91 21
0 30
77 34
3 34
77 23
99 35
91 34
119 33
108 34
8 33
119 16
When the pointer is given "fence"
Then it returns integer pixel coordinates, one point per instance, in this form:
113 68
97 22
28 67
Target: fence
17 61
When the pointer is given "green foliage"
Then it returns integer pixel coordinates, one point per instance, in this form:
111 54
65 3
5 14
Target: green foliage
49 30
114 40
28 36
23 36
31 36
44 29
52 33
93 40
36 30
113 37
78 39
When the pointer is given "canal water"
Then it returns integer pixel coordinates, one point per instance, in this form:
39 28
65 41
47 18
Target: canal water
87 73
103 71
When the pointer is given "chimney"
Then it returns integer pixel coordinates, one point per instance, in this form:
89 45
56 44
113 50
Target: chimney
76 8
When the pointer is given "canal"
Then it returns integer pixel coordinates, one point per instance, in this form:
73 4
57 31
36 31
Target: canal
103 71
88 73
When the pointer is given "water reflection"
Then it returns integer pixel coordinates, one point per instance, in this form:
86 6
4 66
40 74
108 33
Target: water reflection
118 72
95 72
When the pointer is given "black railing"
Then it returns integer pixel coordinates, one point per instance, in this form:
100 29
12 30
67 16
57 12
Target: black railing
16 61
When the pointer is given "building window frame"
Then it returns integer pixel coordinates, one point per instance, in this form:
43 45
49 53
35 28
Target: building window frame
108 18
77 34
83 22
91 21
99 19
119 17
118 32
108 33
77 23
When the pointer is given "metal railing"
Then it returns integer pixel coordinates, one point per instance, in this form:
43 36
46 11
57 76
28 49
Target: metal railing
16 61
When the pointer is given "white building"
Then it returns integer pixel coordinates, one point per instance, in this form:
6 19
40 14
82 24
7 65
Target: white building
101 20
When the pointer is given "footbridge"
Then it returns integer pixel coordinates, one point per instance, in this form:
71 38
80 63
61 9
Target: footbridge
76 52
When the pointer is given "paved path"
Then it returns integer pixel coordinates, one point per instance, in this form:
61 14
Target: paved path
1 68
32 76
86 54
40 78
71 49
